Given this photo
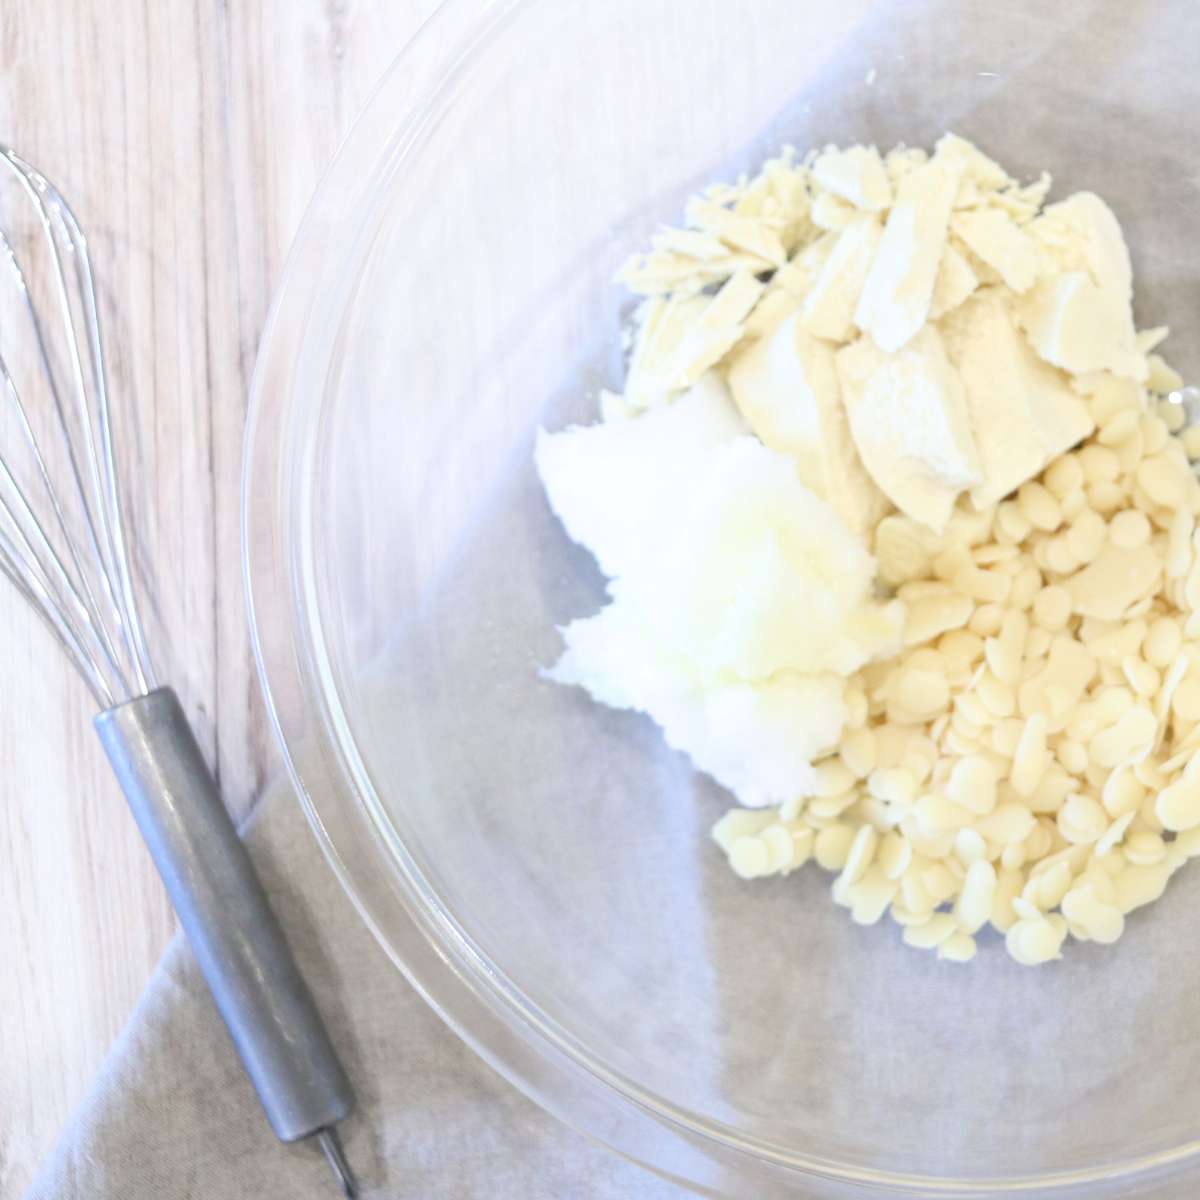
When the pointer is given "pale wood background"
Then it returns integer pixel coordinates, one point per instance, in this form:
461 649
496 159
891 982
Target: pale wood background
188 135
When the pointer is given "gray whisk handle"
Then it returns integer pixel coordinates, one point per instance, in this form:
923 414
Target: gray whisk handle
224 911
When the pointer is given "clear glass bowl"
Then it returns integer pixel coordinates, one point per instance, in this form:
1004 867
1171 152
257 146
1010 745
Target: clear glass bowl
537 866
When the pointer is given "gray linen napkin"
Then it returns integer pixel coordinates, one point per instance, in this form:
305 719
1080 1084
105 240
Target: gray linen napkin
172 1117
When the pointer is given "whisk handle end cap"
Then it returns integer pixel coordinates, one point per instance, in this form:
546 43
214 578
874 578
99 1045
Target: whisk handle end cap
224 911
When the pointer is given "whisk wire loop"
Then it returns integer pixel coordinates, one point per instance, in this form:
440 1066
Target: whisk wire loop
85 593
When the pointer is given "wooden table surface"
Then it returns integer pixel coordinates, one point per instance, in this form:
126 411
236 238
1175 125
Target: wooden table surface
188 135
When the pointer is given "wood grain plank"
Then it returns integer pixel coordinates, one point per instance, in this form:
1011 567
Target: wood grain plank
189 137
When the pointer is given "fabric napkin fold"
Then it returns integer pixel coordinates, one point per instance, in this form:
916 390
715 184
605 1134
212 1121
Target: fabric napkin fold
171 1116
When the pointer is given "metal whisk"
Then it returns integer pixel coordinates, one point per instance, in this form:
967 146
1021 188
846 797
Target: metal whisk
63 545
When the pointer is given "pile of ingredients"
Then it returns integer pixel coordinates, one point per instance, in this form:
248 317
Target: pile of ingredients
900 527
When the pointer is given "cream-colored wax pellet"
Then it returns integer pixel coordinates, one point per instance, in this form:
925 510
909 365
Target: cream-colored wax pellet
934 615
1122 792
1034 941
1112 396
961 649
802 843
902 916
1082 819
1144 848
1086 535
1006 735
974 904
1161 519
791 809
1172 415
891 744
1037 645
1120 427
1011 523
1101 922
1072 755
913 892
1129 452
969 708
937 814
1148 775
1026 584
1111 641
1129 529
1178 805
828 808
920 756
997 697
1141 676
749 858
1191 442
921 693
950 561
969 846
936 930
1190 438
1063 475
894 855
740 823
1131 736
1179 544
1147 817
896 784
1187 843
857 752
1110 703
986 620
1030 759
1114 834
1007 824
1074 503
1047 888
1099 463
1183 757
1161 480
1105 497
939 882
832 845
1162 376
833 778
1004 657
995 554
958 948
1008 887
959 743
870 896
1060 559
1039 506
781 849
1013 632
972 785
1185 703
984 586
1075 857
1154 432
1138 886
1012 857
927 847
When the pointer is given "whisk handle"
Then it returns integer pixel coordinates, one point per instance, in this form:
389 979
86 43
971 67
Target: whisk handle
224 911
